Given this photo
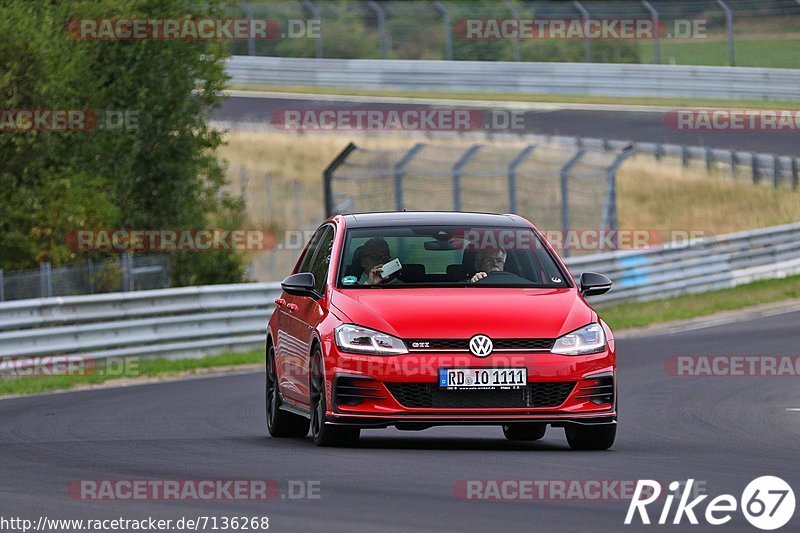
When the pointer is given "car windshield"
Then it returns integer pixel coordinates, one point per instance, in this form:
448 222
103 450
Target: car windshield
447 256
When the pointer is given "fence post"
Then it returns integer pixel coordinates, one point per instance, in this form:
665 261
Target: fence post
685 156
610 221
512 176
565 196
243 183
587 44
251 44
457 168
734 162
656 32
298 193
2 287
327 177
45 279
515 15
312 8
709 159
384 36
448 30
794 169
399 172
268 179
90 270
659 151
729 27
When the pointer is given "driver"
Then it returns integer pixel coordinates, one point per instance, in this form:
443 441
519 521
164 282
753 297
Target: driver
488 261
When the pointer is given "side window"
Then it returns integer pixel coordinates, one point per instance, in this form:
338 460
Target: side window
305 264
322 260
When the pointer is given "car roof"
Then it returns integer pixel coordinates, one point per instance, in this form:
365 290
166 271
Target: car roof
433 218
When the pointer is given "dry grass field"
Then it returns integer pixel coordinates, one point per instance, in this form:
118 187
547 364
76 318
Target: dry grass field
280 175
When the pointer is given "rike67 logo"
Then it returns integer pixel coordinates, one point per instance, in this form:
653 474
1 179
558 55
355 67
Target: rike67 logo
767 503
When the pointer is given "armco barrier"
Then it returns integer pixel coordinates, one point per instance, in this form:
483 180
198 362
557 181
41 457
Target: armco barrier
200 320
606 79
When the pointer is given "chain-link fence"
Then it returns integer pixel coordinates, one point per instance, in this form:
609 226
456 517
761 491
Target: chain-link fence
128 273
704 32
561 186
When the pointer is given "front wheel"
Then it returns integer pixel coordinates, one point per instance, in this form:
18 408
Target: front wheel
326 434
280 423
591 437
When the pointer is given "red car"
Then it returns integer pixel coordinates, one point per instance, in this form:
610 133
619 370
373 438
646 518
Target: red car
424 319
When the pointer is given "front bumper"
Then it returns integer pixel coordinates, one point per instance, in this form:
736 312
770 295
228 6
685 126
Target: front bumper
359 390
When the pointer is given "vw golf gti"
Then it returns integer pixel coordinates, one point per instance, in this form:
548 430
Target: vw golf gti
421 319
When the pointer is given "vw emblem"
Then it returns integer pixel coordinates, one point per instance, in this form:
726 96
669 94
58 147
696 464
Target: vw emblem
480 345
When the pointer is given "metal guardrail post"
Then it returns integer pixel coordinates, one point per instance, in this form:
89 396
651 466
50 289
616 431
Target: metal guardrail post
776 170
327 177
399 173
512 176
384 36
754 165
515 14
587 44
448 30
565 170
729 27
127 272
312 8
657 31
457 168
610 221
45 279
251 44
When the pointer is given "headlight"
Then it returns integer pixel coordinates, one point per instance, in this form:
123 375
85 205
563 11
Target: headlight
586 340
355 339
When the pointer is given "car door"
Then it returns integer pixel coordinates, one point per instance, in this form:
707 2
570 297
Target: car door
287 348
303 314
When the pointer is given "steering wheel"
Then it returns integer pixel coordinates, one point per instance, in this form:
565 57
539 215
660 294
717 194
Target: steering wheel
502 276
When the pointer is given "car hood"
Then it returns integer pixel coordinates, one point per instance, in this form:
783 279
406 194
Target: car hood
463 312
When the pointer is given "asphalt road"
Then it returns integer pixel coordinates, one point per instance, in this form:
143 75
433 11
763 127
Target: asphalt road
722 431
643 126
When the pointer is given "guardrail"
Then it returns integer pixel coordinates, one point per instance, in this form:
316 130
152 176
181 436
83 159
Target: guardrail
604 79
201 320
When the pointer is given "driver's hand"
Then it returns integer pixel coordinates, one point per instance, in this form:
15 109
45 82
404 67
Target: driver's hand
479 275
375 277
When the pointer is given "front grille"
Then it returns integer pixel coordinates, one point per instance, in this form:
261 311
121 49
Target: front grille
462 345
431 395
353 391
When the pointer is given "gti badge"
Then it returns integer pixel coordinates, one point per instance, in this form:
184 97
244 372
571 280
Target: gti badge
480 345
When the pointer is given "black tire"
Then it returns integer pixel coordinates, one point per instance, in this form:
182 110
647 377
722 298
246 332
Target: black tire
524 431
591 437
324 433
280 423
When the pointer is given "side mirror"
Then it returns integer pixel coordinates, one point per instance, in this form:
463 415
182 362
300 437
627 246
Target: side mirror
300 284
593 284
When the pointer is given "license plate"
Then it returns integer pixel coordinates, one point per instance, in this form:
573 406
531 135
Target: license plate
482 378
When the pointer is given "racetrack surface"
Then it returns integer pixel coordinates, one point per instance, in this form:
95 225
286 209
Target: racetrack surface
643 126
724 431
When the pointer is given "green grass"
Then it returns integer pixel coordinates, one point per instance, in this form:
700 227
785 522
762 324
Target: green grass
133 369
778 53
638 314
528 97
